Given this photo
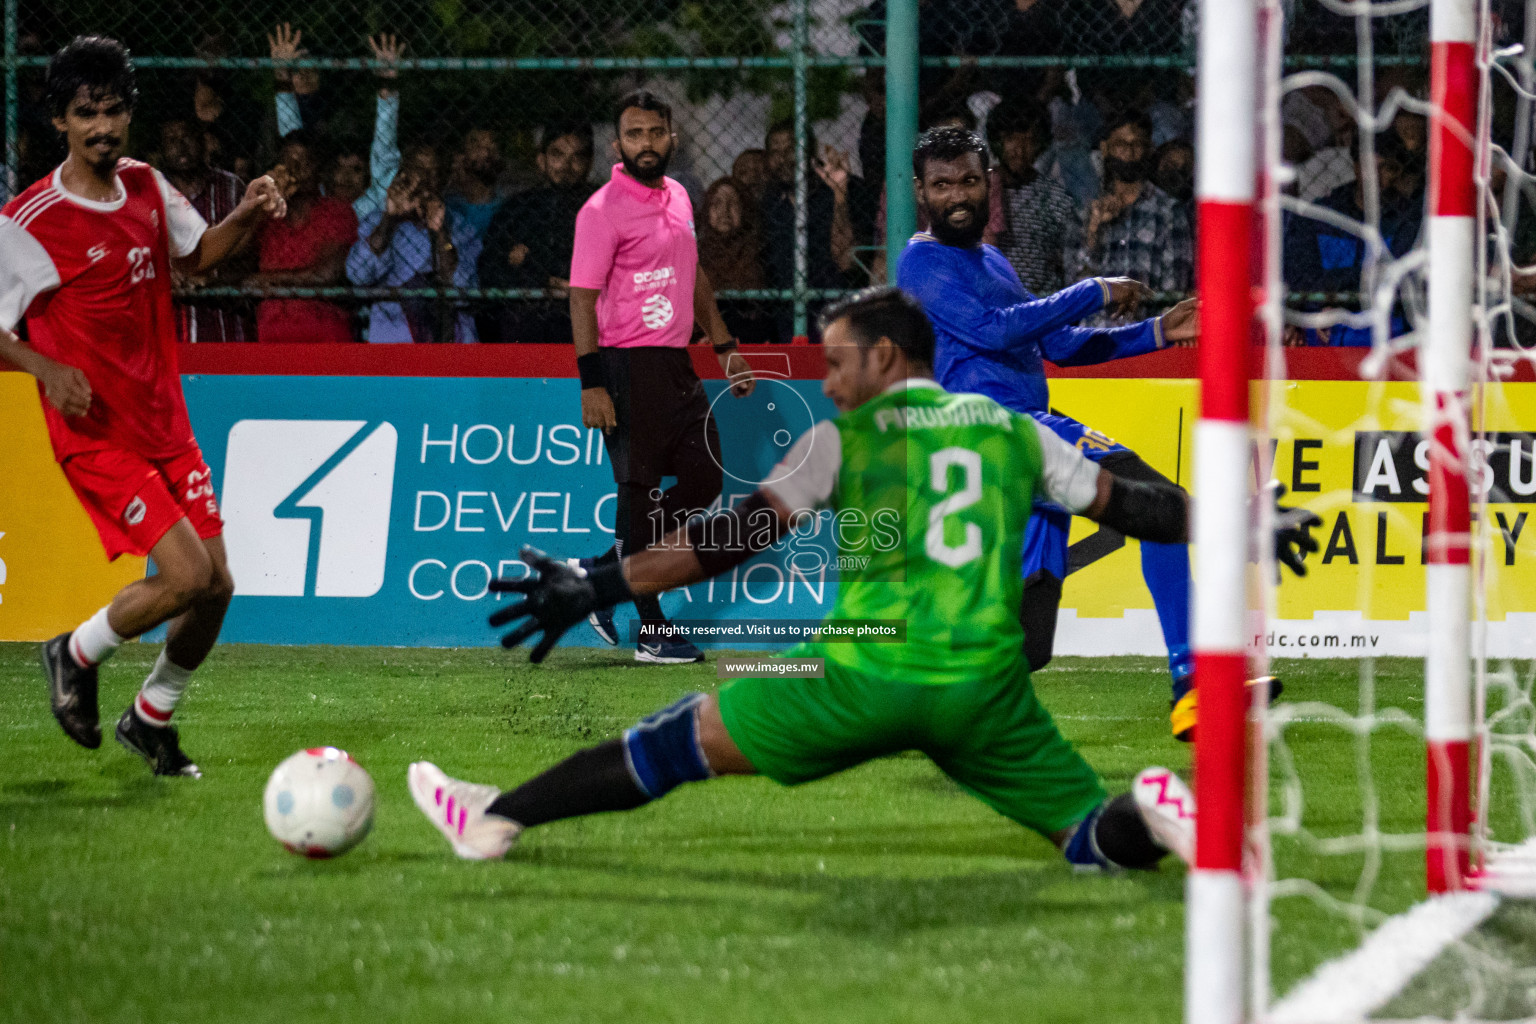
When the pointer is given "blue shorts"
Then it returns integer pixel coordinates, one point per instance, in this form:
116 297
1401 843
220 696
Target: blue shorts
1045 538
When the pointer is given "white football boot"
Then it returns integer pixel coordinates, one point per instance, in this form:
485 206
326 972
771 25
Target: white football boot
457 808
1168 809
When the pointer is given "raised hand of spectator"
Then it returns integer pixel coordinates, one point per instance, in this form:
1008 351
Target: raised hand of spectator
283 43
1181 324
400 200
1103 211
1125 294
833 169
1293 337
517 254
559 287
387 48
434 213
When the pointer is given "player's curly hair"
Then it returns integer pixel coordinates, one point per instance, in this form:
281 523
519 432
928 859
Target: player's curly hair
946 143
885 312
99 64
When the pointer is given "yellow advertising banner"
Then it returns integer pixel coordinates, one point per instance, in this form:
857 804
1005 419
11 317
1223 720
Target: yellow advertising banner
53 571
1349 451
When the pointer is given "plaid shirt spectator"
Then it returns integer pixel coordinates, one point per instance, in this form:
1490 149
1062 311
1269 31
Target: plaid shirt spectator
1044 234
1150 241
211 320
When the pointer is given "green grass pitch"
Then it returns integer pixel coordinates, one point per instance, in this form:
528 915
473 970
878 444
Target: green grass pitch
883 894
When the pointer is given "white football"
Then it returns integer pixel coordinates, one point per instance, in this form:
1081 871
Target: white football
319 802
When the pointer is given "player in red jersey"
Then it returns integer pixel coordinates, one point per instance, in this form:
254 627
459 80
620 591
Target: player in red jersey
86 257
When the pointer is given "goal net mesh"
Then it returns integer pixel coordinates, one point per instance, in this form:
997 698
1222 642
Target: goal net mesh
1337 832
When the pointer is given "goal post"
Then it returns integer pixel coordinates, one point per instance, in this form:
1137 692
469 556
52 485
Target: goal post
1215 906
1445 360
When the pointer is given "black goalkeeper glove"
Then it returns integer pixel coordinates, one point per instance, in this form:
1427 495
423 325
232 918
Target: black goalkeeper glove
556 597
1293 533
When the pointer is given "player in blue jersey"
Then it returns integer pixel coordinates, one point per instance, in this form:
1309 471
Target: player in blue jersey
993 337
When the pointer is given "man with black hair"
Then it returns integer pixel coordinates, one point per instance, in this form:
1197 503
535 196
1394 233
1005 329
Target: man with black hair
1135 229
1322 257
1044 222
637 292
215 195
307 249
993 337
949 479
472 192
86 256
839 212
529 241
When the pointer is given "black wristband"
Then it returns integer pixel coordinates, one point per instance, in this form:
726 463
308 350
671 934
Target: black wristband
591 370
609 585
722 348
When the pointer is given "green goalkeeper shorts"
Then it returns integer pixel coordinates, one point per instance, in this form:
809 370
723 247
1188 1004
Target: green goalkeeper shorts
992 736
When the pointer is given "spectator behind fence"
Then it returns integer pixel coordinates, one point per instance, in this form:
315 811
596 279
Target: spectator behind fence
214 194
833 224
415 241
1174 171
306 249
471 193
1044 223
383 154
211 118
1134 228
528 243
750 173
729 243
1323 257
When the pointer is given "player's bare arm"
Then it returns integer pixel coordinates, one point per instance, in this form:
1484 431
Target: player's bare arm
596 404
66 387
263 201
706 313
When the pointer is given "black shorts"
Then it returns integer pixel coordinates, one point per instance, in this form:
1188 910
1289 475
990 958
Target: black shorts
664 424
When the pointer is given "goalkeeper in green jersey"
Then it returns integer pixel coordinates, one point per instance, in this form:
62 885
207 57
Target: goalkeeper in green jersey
943 485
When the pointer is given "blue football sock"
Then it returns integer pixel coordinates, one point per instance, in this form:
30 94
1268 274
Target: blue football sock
1165 567
663 750
1081 849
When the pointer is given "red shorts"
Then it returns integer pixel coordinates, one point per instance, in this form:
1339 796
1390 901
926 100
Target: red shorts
134 501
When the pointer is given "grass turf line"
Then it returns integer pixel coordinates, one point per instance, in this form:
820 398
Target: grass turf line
880 894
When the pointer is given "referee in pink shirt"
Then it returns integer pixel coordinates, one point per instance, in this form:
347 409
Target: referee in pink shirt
637 293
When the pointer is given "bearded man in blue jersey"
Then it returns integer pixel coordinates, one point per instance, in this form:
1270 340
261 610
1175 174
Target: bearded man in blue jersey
993 337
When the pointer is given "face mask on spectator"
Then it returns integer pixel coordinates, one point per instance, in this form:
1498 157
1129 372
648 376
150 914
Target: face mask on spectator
1177 182
1128 171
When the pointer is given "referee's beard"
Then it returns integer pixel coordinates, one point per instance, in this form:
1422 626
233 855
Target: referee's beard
647 170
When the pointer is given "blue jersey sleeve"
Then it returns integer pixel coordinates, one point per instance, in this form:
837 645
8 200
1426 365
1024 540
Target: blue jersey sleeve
947 290
1086 346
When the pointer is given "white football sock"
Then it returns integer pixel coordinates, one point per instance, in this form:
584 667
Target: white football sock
157 698
93 641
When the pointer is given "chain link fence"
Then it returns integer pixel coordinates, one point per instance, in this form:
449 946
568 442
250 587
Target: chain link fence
490 123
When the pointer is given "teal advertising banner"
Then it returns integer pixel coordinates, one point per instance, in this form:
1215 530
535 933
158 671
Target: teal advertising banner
375 510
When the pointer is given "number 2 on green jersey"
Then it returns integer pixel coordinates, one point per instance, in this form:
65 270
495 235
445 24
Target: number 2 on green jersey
969 464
